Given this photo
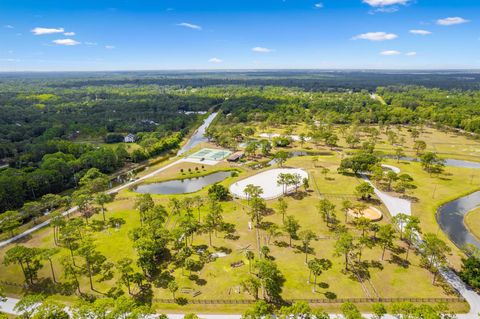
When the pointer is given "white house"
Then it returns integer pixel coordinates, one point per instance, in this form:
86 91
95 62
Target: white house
130 138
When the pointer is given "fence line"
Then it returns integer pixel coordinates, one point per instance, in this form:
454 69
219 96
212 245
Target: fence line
314 301
8 283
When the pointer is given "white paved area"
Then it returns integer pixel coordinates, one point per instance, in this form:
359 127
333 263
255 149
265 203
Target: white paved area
267 180
392 168
394 204
199 161
296 138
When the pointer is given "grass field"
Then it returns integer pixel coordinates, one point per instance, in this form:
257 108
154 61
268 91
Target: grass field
387 278
446 144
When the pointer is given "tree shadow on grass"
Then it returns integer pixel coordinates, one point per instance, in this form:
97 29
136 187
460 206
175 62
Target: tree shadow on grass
299 195
301 249
323 285
163 279
48 287
281 243
397 260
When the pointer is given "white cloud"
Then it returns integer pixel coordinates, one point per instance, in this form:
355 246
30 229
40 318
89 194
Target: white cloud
215 60
42 31
110 47
375 36
10 60
413 53
67 42
383 3
451 21
420 32
390 52
384 10
261 50
69 34
189 25
319 5
8 26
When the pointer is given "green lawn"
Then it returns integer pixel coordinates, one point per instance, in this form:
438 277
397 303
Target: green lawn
388 279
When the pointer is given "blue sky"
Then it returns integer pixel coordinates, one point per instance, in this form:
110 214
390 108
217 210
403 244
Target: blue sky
52 35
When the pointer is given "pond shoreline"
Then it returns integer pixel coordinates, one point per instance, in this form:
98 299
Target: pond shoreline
450 217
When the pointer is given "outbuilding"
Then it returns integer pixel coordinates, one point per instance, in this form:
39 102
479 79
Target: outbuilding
235 156
130 138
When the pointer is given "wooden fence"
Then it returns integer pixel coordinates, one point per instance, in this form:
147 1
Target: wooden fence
315 301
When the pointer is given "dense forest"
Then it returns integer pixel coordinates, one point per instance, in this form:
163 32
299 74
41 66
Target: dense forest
46 134
55 127
310 80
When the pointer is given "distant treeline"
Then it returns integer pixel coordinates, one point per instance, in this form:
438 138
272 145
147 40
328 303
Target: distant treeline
307 80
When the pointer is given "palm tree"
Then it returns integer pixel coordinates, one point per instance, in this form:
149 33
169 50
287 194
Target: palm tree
57 222
101 199
48 254
250 256
273 231
282 207
173 287
316 267
346 206
306 236
198 202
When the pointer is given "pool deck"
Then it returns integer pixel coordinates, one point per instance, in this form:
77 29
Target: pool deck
206 156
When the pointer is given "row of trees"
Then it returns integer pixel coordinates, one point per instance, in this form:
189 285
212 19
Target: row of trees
37 307
349 310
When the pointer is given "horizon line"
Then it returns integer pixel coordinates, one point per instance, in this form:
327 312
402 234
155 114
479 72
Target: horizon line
467 70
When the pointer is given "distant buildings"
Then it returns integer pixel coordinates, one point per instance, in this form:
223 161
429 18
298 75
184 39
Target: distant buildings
130 138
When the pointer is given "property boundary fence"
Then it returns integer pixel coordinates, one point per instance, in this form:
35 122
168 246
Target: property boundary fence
315 301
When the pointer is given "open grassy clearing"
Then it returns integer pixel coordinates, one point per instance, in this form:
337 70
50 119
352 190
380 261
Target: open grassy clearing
218 278
446 144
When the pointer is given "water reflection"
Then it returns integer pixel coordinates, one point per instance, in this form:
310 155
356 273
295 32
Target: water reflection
182 186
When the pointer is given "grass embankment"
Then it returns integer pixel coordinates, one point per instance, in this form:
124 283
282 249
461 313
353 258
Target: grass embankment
472 221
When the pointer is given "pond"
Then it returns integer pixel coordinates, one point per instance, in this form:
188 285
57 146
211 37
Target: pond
182 186
448 162
451 216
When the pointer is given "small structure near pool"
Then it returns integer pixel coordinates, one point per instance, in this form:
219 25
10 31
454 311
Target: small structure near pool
235 156
267 180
